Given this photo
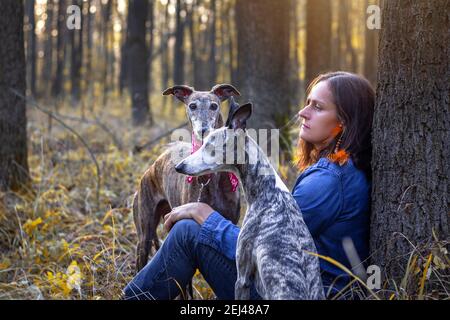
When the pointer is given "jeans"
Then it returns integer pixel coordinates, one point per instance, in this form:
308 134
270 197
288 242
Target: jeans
175 263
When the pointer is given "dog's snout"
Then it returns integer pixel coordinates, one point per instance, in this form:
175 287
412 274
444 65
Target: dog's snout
180 167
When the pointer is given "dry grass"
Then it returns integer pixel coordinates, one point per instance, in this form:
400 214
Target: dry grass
57 242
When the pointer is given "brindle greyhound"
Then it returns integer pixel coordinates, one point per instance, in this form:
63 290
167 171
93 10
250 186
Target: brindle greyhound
274 245
161 188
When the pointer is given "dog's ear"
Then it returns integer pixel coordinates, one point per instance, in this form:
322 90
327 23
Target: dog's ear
233 107
240 116
224 91
181 92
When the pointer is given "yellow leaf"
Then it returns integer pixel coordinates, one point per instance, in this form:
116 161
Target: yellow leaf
31 225
6 263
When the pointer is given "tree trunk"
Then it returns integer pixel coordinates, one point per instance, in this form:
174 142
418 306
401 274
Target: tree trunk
48 48
88 35
123 74
165 63
294 79
76 37
31 46
106 31
263 45
13 121
138 61
348 56
178 63
57 85
231 44
151 45
411 135
318 38
371 53
194 56
212 72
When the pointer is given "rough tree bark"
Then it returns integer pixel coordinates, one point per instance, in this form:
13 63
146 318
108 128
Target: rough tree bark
263 59
411 132
13 121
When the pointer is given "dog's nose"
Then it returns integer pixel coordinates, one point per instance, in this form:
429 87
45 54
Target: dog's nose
179 167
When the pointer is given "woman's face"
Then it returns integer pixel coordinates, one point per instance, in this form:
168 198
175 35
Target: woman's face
320 120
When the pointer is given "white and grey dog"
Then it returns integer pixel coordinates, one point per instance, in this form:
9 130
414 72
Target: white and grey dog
274 245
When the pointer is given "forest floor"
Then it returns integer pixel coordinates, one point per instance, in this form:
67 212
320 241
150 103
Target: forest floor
57 240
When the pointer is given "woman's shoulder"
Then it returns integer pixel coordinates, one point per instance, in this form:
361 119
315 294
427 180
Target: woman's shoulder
319 175
324 171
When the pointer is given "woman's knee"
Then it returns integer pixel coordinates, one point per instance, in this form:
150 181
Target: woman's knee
185 230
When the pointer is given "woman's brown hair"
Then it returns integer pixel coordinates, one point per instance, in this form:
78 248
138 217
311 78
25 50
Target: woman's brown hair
354 98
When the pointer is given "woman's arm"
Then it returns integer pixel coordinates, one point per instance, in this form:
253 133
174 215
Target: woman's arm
216 232
195 210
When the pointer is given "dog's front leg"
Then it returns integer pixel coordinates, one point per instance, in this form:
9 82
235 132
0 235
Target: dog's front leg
244 274
242 288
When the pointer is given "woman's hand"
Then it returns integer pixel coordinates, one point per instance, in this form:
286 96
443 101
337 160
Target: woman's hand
195 210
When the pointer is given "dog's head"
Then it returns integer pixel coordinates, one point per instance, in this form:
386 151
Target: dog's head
203 107
222 149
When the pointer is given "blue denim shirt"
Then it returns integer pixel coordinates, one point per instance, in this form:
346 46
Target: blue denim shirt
334 201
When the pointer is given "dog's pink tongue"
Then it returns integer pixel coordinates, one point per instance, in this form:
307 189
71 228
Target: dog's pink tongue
233 179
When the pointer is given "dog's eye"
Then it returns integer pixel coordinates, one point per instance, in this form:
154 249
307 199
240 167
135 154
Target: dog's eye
192 106
214 106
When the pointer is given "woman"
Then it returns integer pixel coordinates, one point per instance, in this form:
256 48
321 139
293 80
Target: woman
332 191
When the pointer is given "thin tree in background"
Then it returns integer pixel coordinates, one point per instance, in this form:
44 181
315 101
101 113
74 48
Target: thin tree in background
193 41
178 56
212 72
151 26
76 37
123 73
228 14
165 63
106 31
47 67
57 85
371 52
263 49
31 47
411 134
13 121
137 61
294 69
318 38
348 58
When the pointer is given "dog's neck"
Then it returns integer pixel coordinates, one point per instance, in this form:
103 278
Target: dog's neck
258 177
